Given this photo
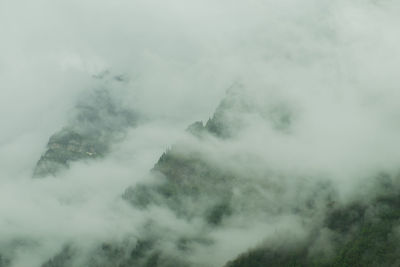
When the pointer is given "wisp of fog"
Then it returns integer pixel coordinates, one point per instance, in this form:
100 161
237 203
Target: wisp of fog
296 104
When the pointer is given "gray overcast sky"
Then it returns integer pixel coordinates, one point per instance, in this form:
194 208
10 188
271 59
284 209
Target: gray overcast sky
333 64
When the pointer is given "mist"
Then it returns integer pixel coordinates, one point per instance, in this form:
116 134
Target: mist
296 103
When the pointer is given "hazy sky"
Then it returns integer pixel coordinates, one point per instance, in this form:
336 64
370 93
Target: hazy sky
332 64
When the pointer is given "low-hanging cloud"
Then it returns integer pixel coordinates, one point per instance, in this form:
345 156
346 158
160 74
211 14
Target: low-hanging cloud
311 104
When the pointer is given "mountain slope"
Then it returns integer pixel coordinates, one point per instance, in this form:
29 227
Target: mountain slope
99 121
214 190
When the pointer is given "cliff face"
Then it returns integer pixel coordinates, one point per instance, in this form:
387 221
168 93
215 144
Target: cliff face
65 147
98 121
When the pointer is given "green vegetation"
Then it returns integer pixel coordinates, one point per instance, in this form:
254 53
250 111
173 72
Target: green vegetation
365 236
195 188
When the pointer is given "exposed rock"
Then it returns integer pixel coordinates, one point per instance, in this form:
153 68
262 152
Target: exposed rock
99 121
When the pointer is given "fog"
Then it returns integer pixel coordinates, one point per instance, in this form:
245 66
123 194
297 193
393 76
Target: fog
311 98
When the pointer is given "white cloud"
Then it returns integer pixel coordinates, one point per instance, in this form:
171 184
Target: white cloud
332 64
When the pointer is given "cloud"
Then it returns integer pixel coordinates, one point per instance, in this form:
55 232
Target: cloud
319 105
